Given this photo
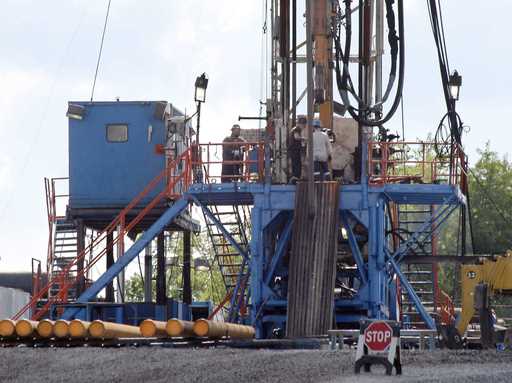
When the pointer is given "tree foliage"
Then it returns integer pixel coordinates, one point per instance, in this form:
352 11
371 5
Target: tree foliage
491 199
490 195
206 284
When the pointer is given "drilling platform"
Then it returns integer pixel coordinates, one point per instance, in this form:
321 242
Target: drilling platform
299 256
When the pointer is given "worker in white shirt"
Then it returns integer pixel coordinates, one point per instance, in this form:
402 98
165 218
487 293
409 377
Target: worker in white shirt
322 152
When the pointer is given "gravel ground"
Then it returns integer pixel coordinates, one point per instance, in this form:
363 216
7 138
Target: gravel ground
154 364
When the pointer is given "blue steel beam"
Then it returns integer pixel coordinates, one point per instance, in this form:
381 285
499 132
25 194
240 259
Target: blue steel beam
281 249
132 252
435 221
221 227
356 253
412 294
234 304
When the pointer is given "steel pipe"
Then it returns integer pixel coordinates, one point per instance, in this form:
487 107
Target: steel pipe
61 328
150 328
45 328
7 328
26 327
211 329
79 328
109 330
180 328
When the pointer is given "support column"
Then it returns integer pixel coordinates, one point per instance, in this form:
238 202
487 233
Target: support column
80 246
377 273
161 291
109 291
187 254
321 12
256 260
148 275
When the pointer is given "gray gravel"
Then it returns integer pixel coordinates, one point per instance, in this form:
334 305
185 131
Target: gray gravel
154 364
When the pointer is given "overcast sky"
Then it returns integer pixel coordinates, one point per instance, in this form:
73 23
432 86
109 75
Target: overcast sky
154 50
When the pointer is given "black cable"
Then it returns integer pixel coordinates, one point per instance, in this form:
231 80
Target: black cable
343 79
403 119
101 50
140 270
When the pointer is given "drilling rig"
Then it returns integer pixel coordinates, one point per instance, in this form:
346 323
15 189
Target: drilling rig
295 258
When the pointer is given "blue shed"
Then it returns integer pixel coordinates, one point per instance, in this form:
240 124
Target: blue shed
112 154
115 150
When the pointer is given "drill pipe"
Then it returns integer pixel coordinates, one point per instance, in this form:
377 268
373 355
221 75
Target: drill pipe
45 328
61 328
79 328
109 330
211 329
151 328
7 328
180 328
25 327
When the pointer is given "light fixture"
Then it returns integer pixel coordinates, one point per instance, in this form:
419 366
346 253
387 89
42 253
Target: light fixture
76 112
455 83
201 85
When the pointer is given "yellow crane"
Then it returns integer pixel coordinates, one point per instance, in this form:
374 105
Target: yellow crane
489 276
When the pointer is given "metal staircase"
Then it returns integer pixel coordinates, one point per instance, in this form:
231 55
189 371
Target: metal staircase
422 276
64 278
234 270
64 252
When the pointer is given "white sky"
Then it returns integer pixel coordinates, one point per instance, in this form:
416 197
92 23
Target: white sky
154 49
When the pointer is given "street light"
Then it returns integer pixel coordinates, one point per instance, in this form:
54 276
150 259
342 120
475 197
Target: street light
201 85
200 97
455 83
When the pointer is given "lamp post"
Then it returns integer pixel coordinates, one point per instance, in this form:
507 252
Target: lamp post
200 97
455 83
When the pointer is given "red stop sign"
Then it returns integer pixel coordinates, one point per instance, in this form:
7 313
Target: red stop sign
377 336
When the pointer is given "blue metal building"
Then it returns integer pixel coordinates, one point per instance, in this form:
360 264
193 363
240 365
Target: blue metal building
113 151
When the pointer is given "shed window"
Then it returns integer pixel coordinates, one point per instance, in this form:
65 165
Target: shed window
117 133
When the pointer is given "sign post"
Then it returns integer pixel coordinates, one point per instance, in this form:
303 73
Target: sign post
379 343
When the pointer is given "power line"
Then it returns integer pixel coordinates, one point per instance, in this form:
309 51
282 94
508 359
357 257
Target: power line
101 50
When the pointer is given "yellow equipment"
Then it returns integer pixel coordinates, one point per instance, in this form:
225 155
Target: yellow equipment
45 328
180 328
495 273
151 328
78 328
25 327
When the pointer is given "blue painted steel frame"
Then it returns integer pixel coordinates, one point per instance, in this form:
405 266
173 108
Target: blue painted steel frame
367 205
128 256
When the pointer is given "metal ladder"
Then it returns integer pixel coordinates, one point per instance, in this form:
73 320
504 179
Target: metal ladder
233 269
422 276
65 251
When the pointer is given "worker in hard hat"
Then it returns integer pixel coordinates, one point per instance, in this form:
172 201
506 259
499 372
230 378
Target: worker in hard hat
295 148
233 150
322 152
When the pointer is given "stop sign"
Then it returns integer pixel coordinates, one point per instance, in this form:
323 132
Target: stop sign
377 336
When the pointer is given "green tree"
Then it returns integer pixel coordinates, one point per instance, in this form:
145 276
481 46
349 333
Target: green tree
491 198
207 284
490 192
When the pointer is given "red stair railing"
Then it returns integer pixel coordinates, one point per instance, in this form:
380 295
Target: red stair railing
172 179
399 161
